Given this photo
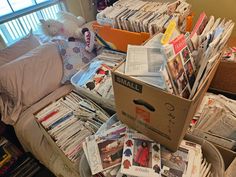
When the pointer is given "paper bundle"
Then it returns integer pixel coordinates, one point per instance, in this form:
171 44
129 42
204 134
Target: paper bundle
120 151
69 121
144 16
216 120
96 76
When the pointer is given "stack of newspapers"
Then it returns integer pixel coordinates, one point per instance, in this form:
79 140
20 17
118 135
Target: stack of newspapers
216 120
180 63
119 151
69 121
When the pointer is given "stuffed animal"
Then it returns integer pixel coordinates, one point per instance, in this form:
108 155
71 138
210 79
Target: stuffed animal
68 25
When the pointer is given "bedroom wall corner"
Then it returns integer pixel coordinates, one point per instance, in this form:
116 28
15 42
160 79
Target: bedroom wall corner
84 8
223 9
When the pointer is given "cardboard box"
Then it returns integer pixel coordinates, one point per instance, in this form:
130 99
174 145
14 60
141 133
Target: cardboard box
165 117
69 164
225 79
111 37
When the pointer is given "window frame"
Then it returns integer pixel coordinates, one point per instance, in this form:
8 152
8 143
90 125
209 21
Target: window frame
28 10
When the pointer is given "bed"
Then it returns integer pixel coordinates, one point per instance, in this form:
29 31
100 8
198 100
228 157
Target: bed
30 78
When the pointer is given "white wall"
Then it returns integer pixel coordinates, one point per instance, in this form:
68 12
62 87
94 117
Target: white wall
83 8
218 8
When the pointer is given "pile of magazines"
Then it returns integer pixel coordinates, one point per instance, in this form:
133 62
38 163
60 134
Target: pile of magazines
216 120
176 62
95 78
69 121
119 151
144 16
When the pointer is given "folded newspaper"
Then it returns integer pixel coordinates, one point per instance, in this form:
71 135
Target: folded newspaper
118 151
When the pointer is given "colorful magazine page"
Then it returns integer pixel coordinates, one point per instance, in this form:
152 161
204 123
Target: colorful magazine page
105 152
89 72
181 68
200 25
178 77
178 164
98 76
141 156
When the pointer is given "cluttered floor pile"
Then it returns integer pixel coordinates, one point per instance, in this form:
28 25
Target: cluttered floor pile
119 151
176 62
173 63
216 120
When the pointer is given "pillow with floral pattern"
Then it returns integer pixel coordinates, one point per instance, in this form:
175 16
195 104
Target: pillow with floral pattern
74 57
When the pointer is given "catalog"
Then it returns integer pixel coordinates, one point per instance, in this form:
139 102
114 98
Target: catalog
181 68
141 156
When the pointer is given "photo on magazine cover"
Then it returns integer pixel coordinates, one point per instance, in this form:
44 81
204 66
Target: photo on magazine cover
174 164
185 54
190 72
142 153
177 73
111 152
186 93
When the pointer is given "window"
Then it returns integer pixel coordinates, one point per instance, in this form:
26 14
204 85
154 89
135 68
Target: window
18 17
10 6
19 4
4 8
